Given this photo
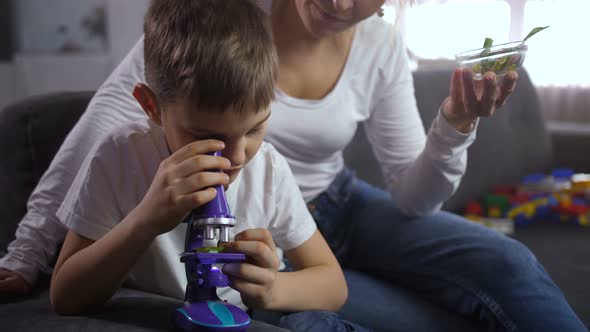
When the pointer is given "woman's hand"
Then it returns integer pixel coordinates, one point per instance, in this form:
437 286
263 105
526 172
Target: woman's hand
12 283
183 182
256 277
471 98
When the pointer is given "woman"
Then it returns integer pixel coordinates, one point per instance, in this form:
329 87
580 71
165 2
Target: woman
409 266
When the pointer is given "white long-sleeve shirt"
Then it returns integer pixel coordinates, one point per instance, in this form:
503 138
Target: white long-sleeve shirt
375 90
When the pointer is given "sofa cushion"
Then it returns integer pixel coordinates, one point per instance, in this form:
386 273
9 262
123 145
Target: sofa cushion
128 311
30 134
17 178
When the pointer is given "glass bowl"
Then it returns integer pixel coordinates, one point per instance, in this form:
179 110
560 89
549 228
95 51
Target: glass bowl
498 59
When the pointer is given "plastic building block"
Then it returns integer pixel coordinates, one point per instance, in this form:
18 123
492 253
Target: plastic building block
561 196
474 208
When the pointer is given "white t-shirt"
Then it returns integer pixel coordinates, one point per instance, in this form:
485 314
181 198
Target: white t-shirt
118 172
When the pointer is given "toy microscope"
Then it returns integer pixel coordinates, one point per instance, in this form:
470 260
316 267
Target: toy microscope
202 309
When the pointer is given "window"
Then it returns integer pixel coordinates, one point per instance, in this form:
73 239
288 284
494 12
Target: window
558 55
438 29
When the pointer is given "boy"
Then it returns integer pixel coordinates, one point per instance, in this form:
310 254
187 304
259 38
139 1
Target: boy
210 69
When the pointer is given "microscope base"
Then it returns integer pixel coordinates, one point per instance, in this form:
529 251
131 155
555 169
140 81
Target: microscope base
212 316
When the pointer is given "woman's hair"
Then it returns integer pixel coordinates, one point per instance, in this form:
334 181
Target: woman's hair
217 53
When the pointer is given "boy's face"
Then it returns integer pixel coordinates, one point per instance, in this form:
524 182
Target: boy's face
242 132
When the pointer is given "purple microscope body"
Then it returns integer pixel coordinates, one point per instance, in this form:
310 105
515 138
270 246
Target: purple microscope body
202 309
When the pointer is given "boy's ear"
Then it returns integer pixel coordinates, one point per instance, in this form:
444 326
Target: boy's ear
147 99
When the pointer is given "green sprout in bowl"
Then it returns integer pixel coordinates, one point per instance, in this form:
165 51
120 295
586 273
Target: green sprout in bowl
496 58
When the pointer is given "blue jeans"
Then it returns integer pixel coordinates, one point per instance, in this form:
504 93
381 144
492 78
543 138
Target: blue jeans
437 273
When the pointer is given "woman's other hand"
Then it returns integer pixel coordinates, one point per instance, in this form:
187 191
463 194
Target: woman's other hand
12 283
471 98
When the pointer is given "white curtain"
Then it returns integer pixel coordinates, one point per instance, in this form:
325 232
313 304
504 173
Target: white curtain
565 103
557 57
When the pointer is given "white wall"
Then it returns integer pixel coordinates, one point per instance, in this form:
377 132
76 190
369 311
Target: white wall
38 23
125 25
31 74
40 74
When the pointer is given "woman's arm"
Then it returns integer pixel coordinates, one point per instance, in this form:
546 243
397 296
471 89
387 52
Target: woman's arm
422 174
420 171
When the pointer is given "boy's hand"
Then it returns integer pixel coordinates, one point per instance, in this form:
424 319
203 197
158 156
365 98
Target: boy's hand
12 283
181 184
470 99
255 278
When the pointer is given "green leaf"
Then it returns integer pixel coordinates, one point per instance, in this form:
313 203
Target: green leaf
487 44
210 250
486 65
534 31
476 68
500 64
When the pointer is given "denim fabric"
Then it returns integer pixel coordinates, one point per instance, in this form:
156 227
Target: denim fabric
317 321
436 273
307 321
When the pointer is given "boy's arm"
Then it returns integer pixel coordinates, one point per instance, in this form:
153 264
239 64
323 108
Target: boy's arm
317 283
87 273
316 272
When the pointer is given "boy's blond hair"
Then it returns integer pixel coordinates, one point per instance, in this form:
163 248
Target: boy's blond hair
217 53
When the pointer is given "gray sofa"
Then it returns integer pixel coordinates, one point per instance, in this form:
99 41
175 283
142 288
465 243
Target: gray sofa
509 146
